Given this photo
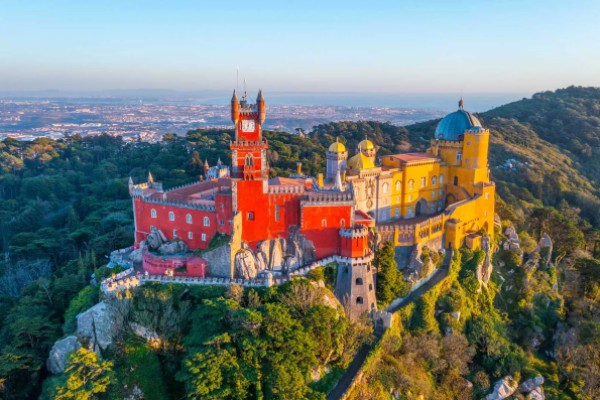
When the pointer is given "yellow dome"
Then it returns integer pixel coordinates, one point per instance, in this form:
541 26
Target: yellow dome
366 145
360 161
337 147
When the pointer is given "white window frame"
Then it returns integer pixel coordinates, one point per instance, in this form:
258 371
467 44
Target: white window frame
188 218
153 213
206 221
171 216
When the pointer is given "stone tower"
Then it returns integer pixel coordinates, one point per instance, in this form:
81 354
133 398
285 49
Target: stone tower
336 156
354 285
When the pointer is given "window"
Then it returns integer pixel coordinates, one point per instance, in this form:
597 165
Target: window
359 300
370 286
343 223
385 188
411 184
221 222
441 179
432 207
434 180
456 181
368 267
249 161
359 281
459 156
323 223
441 192
397 212
188 218
440 205
174 233
398 185
204 237
410 197
250 216
432 194
190 235
485 213
487 196
277 212
171 216
206 221
409 211
153 213
423 182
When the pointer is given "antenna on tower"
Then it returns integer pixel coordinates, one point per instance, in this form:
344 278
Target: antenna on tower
237 79
244 88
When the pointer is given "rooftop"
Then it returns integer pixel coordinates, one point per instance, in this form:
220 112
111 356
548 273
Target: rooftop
410 158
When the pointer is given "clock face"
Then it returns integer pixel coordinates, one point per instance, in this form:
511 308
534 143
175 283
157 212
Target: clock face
248 125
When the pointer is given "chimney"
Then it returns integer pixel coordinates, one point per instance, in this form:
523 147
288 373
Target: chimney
320 180
299 168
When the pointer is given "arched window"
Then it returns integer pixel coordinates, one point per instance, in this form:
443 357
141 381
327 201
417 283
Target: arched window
423 182
432 194
411 184
398 185
441 179
359 281
206 221
370 286
171 216
368 267
433 180
188 218
440 205
456 181
459 156
385 188
153 213
249 161
343 223
323 223
359 300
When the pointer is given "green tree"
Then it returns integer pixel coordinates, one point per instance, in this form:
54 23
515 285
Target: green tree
390 282
86 376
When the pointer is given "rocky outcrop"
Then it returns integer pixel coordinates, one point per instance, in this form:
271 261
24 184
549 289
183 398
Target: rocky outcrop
219 261
512 240
245 264
175 246
536 394
59 353
98 326
484 269
155 239
533 385
503 388
544 248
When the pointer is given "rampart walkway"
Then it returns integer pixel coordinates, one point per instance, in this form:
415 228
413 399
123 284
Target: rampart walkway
350 375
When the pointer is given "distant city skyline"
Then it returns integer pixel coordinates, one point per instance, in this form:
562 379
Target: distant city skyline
389 47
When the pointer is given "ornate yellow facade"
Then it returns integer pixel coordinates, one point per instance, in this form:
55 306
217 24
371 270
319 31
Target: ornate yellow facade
443 194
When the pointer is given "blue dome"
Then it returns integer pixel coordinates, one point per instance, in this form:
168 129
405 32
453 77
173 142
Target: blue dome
454 125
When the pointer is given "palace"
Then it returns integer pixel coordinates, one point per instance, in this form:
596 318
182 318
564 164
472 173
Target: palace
442 198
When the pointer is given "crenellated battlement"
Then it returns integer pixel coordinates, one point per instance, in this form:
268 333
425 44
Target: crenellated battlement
357 231
286 189
191 206
322 198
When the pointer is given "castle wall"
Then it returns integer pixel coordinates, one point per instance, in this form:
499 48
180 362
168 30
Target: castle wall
321 225
179 226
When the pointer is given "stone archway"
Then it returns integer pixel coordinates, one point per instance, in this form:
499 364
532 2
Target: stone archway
421 207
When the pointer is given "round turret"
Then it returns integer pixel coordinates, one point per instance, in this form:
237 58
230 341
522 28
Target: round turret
260 105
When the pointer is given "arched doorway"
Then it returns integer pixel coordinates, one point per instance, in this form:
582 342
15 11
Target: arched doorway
421 207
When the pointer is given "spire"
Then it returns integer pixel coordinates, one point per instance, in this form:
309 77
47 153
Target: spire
461 104
234 97
150 178
130 181
206 164
219 163
260 96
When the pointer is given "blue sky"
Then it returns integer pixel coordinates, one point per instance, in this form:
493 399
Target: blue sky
314 46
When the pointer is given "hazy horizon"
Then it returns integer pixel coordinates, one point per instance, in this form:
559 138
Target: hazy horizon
411 47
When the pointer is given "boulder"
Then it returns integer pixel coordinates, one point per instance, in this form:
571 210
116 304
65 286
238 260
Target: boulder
545 243
245 264
136 255
155 239
536 394
143 332
531 384
59 353
503 388
98 325
175 246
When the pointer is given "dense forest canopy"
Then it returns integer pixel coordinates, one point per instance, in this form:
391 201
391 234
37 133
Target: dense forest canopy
64 206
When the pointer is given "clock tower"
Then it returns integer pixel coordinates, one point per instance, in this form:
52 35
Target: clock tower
249 169
249 150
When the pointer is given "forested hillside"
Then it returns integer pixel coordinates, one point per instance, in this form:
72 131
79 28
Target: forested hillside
64 206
